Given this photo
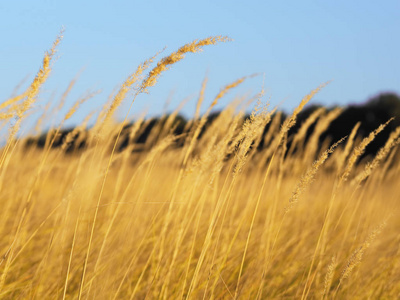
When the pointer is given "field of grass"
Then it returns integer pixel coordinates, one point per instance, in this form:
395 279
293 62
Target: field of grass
211 219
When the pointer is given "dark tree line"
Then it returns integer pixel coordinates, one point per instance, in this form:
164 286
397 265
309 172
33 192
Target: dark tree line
371 114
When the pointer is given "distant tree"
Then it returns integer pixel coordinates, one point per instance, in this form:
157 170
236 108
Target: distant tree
371 114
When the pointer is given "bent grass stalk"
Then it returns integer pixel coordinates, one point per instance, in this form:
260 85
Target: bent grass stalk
287 124
358 151
382 153
149 81
31 97
205 116
357 255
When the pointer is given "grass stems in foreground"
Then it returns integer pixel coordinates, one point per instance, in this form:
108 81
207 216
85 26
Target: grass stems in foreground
199 214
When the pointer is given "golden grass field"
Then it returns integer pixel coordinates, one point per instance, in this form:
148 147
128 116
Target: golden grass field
213 219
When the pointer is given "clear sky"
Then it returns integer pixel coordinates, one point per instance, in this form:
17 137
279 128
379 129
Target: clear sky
297 44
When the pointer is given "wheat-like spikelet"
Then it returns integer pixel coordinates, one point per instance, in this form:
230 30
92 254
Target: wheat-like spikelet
329 276
31 96
217 129
127 86
291 121
173 58
359 150
6 116
13 100
213 155
225 90
78 103
308 177
246 125
259 136
203 119
261 126
357 255
392 141
138 223
114 104
252 129
40 78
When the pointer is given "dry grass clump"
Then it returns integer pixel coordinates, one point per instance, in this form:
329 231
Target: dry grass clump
208 218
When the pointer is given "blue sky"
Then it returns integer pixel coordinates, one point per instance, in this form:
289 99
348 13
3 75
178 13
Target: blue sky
297 45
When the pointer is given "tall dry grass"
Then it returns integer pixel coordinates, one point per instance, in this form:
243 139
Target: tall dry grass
212 218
